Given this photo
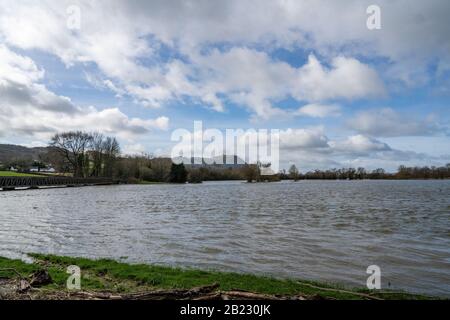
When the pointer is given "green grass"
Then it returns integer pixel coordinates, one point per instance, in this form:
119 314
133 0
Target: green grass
16 174
110 275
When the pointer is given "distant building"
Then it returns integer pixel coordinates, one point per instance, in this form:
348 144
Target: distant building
46 170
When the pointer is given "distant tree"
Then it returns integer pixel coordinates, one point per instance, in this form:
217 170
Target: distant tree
161 168
294 173
378 174
72 145
361 173
97 152
38 164
195 176
127 168
403 172
145 173
351 173
178 173
111 151
20 164
251 172
57 160
88 154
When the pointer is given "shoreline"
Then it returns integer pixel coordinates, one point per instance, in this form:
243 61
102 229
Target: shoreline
110 279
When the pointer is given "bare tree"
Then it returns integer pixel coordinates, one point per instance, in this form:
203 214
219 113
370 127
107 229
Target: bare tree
251 172
72 146
160 168
294 173
111 151
57 160
361 173
97 152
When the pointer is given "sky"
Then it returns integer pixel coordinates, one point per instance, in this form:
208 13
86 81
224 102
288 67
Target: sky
343 95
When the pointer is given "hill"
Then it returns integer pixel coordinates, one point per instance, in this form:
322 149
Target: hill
9 152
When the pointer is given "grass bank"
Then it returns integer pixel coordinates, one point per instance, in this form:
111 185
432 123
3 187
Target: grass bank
104 275
17 174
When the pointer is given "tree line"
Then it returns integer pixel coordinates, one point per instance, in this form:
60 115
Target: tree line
146 168
85 154
82 154
403 172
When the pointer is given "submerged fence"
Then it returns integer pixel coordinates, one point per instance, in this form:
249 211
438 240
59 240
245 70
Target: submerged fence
10 183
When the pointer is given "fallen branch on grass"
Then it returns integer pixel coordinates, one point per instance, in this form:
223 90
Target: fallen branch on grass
178 294
198 293
364 295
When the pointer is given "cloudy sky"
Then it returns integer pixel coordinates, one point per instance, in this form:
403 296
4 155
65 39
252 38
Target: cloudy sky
343 95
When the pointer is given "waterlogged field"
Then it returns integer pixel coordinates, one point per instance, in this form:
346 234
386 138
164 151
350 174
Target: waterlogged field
328 231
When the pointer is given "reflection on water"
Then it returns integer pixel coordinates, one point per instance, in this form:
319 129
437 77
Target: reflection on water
321 230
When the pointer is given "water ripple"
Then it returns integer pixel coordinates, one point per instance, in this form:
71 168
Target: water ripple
320 230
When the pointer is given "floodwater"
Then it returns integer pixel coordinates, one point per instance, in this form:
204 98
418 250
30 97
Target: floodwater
319 230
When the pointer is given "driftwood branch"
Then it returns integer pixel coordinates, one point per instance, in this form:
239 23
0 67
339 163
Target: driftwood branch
237 294
153 295
209 292
364 295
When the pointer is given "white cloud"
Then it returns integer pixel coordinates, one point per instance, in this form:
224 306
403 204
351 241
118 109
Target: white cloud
319 110
113 33
359 144
29 108
311 148
118 35
133 149
347 78
309 138
315 139
253 79
386 122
